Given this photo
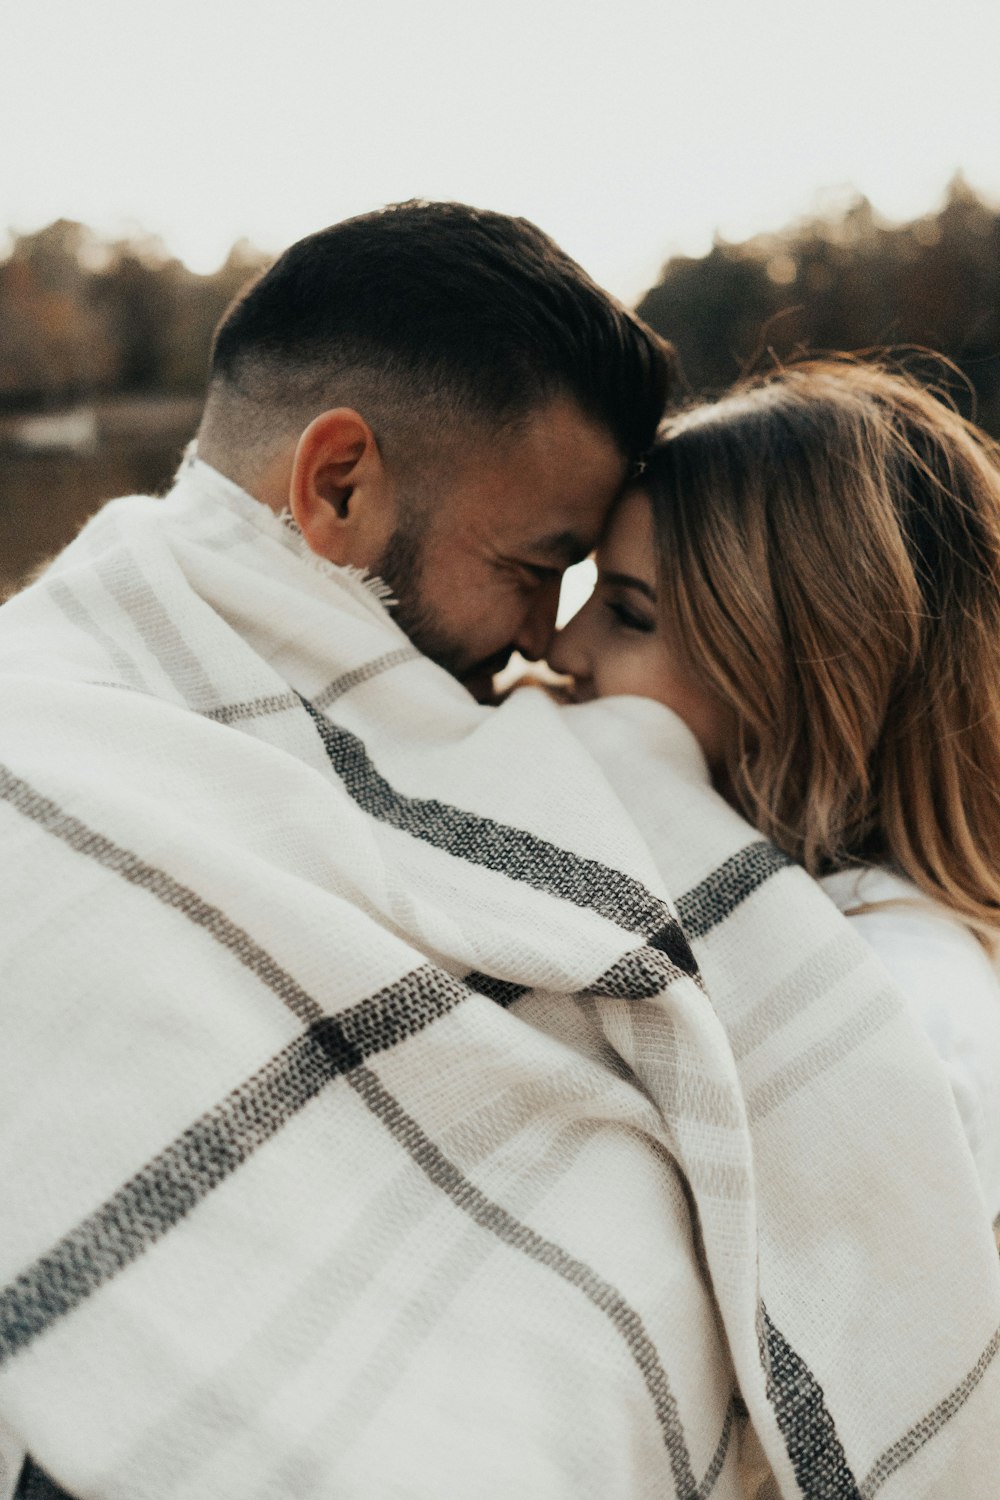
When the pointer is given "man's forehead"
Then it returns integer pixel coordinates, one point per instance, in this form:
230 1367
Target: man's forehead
548 487
524 526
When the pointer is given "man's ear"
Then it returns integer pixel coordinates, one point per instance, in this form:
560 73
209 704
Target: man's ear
339 491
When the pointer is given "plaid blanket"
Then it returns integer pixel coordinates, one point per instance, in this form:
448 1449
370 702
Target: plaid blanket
401 1098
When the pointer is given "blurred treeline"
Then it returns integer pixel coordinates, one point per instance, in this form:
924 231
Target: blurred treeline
850 282
103 351
82 317
104 345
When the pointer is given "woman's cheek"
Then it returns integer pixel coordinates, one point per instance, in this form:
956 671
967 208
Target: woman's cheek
635 671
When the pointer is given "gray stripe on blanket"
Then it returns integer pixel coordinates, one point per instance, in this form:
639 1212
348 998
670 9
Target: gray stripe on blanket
121 574
806 1425
662 1060
377 1022
910 1444
639 975
365 673
276 703
502 991
253 708
811 980
87 841
512 852
715 1468
497 1221
168 1189
719 894
165 1192
171 1186
308 1318
63 597
174 1182
445 1278
871 1017
647 972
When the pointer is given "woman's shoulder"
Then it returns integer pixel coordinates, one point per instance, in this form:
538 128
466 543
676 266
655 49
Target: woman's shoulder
854 888
888 907
952 987
918 939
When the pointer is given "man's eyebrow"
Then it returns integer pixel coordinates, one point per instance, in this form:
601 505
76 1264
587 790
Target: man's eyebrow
564 547
626 581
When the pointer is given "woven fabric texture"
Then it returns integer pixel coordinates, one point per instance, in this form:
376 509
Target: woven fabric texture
404 1098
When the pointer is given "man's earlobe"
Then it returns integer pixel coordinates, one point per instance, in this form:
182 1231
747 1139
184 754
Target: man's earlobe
336 467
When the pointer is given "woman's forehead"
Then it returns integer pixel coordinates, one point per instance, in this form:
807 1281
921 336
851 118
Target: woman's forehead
628 544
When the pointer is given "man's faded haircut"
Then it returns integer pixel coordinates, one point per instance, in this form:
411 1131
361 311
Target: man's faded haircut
433 320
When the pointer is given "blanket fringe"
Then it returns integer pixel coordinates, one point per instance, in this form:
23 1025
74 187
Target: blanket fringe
371 582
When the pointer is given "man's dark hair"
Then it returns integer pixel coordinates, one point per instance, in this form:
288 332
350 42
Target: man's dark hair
429 318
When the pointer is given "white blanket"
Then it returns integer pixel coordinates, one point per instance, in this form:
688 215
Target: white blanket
366 1127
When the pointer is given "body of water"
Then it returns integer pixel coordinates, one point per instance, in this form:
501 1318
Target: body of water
56 469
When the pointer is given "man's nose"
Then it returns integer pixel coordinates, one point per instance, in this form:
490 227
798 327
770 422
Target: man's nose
567 653
539 624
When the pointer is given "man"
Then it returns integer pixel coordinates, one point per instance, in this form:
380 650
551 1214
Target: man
442 398
368 1127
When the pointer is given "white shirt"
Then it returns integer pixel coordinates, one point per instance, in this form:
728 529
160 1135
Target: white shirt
954 990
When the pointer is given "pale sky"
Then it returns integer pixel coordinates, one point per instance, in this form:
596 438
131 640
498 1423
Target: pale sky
629 129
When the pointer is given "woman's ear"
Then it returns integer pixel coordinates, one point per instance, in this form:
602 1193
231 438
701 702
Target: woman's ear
339 492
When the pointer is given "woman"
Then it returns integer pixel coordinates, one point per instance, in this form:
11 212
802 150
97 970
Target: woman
809 576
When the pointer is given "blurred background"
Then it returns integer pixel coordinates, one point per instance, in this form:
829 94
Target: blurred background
758 177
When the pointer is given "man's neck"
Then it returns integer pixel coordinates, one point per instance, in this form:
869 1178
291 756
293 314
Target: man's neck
270 485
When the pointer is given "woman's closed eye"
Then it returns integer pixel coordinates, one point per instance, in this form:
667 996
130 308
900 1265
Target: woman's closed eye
627 617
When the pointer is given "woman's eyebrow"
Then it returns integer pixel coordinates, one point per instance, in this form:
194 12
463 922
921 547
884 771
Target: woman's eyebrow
626 581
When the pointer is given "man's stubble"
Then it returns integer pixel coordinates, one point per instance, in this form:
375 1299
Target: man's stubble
403 567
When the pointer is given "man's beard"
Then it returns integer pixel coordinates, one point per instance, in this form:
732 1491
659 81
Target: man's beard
401 567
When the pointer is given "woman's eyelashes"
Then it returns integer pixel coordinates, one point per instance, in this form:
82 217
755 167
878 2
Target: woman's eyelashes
627 617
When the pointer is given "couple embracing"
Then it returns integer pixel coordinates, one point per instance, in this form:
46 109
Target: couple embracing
406 1094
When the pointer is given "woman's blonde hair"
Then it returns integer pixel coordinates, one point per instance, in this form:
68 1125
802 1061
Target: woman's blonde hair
829 540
